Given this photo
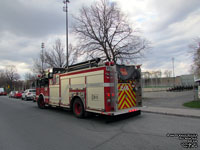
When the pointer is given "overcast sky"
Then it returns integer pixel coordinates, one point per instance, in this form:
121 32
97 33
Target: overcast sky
170 26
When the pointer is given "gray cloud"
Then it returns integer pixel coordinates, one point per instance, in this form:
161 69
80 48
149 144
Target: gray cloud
172 11
31 21
169 25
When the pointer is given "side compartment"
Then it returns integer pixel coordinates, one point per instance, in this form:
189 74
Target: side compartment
88 85
95 91
64 91
54 96
77 88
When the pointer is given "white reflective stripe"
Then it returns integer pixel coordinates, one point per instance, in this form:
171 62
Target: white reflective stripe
83 86
92 85
55 98
78 86
100 84
108 84
95 84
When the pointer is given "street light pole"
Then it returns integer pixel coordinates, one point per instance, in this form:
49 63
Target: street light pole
173 69
65 9
42 46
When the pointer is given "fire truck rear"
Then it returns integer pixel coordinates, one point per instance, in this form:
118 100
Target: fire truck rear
91 86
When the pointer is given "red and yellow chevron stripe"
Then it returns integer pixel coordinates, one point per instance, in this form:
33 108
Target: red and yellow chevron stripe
126 96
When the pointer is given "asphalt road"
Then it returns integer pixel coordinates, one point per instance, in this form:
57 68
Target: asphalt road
167 99
23 126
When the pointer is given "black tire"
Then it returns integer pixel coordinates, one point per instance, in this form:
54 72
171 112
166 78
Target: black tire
41 103
78 108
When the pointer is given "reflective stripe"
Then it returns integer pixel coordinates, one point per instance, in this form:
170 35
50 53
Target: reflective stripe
92 85
47 97
108 84
126 96
78 86
100 84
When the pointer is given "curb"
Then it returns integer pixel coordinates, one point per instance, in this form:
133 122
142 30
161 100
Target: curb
194 113
170 114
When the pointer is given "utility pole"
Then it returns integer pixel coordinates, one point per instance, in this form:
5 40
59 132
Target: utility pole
65 9
173 69
42 46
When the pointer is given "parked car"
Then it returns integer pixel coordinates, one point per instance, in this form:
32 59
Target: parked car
30 94
3 93
18 94
12 94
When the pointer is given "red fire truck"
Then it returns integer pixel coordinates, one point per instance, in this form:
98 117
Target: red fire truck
91 86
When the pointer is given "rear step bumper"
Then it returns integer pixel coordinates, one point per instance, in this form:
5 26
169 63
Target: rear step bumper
135 110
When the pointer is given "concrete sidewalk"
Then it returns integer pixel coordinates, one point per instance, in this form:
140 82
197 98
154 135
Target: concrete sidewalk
172 111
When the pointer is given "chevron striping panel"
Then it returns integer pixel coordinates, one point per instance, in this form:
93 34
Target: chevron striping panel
126 96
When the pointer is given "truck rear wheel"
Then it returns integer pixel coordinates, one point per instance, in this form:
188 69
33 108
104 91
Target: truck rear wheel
41 103
78 108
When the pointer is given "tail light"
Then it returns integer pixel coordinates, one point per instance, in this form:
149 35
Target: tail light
108 100
133 110
29 93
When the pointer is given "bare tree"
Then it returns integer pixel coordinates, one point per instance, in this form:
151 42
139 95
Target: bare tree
55 57
29 76
11 75
73 54
29 80
103 31
168 73
37 64
195 50
146 75
2 78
